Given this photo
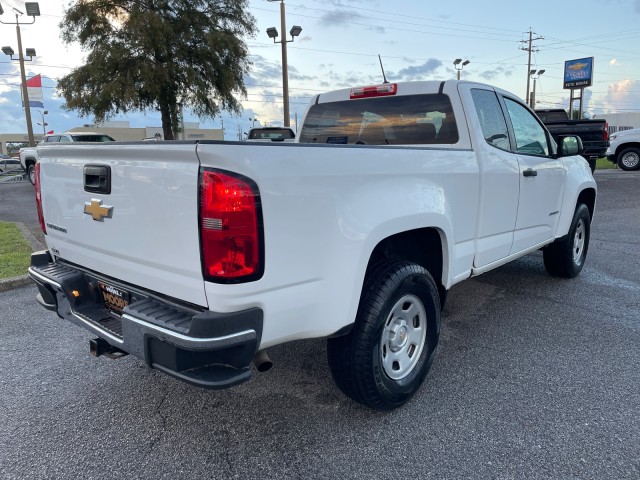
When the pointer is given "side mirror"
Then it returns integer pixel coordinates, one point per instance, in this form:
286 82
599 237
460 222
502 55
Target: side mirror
569 145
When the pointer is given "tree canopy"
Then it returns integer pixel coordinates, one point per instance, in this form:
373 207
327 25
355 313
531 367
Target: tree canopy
157 54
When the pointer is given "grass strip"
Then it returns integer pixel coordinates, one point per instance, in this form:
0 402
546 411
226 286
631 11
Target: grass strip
605 164
15 251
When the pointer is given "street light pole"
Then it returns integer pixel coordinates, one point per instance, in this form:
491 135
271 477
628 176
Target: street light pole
459 65
285 67
44 123
532 74
273 33
25 91
33 10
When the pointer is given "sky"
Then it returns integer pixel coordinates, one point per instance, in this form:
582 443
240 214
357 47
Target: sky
339 47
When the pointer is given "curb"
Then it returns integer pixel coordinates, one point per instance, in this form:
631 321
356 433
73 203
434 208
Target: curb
23 280
15 282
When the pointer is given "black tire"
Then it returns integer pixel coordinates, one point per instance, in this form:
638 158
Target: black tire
629 159
31 173
382 344
565 257
592 164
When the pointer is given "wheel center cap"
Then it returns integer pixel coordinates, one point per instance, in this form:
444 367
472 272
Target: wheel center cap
398 335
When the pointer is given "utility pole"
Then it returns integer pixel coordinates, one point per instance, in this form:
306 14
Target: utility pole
530 48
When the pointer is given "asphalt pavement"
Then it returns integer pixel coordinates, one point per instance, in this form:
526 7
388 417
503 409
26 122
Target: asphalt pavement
535 377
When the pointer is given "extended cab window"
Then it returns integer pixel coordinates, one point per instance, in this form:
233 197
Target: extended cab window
92 138
271 134
398 120
53 139
531 137
494 126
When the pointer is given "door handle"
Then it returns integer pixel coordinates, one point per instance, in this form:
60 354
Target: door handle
530 172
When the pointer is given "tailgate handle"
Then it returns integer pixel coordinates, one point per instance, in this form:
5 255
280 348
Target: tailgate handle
97 179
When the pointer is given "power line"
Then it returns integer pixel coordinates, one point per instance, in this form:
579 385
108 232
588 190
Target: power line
395 14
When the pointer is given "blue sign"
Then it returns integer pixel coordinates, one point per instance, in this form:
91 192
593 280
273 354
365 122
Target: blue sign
578 73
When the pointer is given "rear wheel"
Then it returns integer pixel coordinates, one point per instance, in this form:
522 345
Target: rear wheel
383 361
565 257
31 171
629 159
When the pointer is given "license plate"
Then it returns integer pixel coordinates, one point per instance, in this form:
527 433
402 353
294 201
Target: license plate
114 298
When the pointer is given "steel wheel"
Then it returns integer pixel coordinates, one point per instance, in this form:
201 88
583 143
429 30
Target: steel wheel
384 359
579 242
403 337
565 257
31 170
629 159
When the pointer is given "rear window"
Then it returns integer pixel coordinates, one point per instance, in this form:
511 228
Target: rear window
549 117
271 134
92 138
401 120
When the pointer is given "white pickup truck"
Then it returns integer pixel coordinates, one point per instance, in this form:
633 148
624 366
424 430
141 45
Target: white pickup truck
29 155
196 257
624 149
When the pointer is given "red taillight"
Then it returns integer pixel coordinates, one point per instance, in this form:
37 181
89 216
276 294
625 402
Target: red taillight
374 91
39 198
230 227
606 131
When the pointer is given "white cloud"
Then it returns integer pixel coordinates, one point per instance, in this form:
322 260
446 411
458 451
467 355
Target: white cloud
623 95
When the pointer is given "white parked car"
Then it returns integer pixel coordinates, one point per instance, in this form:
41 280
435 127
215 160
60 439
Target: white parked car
9 164
29 156
624 149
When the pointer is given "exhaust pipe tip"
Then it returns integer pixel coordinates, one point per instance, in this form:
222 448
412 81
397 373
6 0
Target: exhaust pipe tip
262 361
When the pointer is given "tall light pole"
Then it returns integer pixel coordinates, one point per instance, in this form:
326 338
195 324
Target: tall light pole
44 123
459 65
33 10
272 32
253 121
535 74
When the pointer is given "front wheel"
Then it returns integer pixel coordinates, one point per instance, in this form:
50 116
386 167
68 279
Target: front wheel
565 257
629 159
383 361
31 171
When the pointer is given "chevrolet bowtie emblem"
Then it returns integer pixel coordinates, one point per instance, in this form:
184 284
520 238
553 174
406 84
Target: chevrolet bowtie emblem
97 210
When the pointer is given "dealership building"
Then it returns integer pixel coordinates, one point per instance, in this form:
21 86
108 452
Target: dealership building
120 131
621 121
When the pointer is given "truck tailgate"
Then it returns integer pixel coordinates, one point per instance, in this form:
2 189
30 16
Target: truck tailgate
144 231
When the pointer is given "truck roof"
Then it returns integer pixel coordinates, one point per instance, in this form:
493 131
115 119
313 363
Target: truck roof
401 88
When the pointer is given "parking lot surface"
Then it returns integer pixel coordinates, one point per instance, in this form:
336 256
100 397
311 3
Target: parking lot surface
535 377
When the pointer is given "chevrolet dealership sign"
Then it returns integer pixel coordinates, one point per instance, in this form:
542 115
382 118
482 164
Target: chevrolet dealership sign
578 73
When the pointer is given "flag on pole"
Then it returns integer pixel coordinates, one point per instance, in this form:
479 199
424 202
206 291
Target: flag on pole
34 90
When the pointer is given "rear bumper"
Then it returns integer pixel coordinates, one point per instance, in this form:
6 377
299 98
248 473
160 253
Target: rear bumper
203 348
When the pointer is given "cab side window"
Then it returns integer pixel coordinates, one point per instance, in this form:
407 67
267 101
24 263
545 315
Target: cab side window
494 126
531 137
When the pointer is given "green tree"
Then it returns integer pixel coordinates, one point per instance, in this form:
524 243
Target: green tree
156 54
